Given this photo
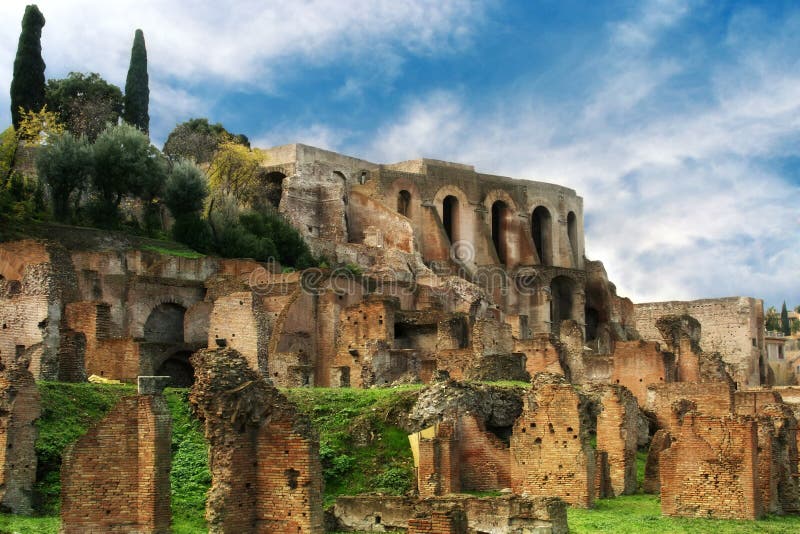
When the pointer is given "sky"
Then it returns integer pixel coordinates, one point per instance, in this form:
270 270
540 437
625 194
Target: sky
677 121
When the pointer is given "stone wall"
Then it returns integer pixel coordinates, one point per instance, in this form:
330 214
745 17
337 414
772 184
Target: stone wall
711 470
550 450
264 456
20 407
115 478
732 326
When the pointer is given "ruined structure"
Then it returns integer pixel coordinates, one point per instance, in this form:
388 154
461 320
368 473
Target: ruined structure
115 478
264 457
19 408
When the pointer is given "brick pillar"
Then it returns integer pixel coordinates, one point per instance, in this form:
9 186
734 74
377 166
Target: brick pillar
115 478
20 407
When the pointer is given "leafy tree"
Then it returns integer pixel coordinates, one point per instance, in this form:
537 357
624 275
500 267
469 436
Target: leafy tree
125 163
772 320
66 165
234 171
37 126
185 190
27 85
198 140
85 103
785 326
8 149
137 89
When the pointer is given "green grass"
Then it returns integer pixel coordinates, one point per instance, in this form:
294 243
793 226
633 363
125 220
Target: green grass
28 525
361 450
180 252
190 477
642 514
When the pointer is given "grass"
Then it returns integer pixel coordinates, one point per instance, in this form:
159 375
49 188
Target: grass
180 252
642 514
361 450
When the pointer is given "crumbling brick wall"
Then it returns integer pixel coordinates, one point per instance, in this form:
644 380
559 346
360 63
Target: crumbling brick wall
638 364
777 459
550 450
438 470
264 456
20 407
239 321
115 478
617 433
711 470
668 402
448 521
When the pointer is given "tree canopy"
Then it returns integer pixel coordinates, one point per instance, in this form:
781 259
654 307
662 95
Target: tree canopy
66 165
137 88
198 140
27 85
85 103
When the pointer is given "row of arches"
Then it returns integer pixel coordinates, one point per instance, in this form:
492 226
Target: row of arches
501 217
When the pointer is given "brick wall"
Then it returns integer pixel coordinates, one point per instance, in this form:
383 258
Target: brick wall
731 326
541 356
550 451
661 441
20 407
452 521
638 364
617 432
115 478
238 319
666 401
264 456
711 470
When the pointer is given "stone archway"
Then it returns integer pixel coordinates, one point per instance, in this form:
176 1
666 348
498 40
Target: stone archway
165 324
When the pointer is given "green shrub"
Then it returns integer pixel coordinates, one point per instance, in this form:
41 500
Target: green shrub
65 163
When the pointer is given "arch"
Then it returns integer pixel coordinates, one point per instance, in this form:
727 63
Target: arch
500 222
450 217
165 324
178 367
562 297
274 187
572 235
404 203
541 229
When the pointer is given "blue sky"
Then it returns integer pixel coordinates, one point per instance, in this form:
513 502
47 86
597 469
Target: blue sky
677 121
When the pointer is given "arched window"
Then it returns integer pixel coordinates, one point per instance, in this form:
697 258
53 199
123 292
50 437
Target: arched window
500 217
572 234
450 217
541 230
404 203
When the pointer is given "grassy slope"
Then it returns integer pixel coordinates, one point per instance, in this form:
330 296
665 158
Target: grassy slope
361 451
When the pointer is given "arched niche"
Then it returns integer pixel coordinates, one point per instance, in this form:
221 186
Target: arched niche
165 324
501 219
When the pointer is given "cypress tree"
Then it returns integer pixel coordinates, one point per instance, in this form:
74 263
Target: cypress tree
785 326
27 86
137 90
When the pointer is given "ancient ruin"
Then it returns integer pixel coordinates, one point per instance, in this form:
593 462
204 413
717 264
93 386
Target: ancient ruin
435 274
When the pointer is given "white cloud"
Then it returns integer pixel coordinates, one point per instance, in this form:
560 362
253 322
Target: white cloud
247 43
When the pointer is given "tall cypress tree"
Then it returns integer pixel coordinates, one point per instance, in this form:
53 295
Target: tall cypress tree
137 90
27 86
786 328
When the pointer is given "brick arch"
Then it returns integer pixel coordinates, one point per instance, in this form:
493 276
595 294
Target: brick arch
139 319
458 219
165 323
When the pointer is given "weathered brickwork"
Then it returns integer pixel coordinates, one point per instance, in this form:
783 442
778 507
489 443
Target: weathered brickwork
20 407
711 470
733 327
264 457
638 364
550 451
512 514
237 321
116 477
617 432
777 459
668 402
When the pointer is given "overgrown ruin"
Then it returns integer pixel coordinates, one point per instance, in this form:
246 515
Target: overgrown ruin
435 274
